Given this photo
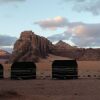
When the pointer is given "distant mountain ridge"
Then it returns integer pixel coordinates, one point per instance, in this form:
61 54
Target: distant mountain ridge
66 50
63 45
31 47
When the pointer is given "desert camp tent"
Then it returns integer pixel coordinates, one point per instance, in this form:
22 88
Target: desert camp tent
23 70
64 69
1 71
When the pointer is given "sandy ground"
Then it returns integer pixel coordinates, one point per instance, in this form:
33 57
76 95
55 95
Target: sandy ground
81 89
44 88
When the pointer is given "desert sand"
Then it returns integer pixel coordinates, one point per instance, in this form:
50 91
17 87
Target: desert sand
44 88
80 89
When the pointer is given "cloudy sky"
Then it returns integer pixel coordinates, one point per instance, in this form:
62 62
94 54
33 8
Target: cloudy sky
74 21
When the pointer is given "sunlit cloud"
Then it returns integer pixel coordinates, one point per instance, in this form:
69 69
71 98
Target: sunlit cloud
52 23
86 30
82 34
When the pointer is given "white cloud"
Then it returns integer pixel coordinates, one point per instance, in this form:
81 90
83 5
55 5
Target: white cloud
7 40
52 23
82 34
60 36
92 6
86 29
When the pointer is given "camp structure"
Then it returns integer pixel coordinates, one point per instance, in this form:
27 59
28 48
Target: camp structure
64 69
23 70
1 71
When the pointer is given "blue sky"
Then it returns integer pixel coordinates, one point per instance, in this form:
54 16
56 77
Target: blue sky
19 16
82 17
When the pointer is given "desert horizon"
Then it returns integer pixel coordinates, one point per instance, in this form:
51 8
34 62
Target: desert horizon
49 49
32 48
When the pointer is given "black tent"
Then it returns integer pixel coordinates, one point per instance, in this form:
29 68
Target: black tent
23 70
1 71
64 69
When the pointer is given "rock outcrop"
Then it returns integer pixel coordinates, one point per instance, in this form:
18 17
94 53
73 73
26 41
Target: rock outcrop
29 47
90 54
63 45
66 50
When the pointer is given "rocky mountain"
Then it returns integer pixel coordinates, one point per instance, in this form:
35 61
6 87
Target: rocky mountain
90 54
29 47
63 45
32 47
65 50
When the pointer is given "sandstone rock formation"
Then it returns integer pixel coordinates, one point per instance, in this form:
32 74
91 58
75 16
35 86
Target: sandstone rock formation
65 50
29 47
91 54
63 45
